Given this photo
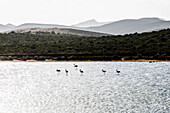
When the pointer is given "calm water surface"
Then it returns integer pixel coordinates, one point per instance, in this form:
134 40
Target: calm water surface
141 87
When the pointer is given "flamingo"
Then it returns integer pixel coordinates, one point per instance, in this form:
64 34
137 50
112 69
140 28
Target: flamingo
58 70
81 71
103 71
75 65
117 71
66 71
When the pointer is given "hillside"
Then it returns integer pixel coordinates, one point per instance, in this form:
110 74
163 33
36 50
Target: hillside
44 45
61 31
9 27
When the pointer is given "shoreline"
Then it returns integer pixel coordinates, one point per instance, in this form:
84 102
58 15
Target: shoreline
140 60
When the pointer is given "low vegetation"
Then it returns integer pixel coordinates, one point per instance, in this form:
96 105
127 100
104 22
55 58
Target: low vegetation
48 45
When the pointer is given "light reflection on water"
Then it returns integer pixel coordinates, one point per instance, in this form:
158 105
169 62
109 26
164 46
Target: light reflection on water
141 87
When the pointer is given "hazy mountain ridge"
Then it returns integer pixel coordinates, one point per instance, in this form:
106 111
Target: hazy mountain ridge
121 27
4 28
90 23
9 27
35 25
131 26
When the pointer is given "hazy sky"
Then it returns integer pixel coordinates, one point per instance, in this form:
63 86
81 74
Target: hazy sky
68 12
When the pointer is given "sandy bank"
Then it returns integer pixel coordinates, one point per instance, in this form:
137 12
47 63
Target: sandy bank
140 60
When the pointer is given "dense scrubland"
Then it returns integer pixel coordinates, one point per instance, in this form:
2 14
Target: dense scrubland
49 45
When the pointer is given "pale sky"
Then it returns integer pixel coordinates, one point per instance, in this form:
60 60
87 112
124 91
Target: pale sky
68 12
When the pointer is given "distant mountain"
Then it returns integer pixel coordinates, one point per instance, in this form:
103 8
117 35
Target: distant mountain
10 25
90 23
61 31
36 25
121 27
4 28
131 26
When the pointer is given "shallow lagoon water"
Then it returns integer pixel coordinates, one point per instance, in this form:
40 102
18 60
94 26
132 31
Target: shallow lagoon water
36 87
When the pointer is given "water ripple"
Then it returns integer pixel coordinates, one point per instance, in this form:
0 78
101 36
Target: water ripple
141 87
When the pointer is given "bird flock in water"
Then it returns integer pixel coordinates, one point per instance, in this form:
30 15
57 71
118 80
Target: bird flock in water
81 71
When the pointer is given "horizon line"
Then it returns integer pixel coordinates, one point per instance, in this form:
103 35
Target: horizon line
84 21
